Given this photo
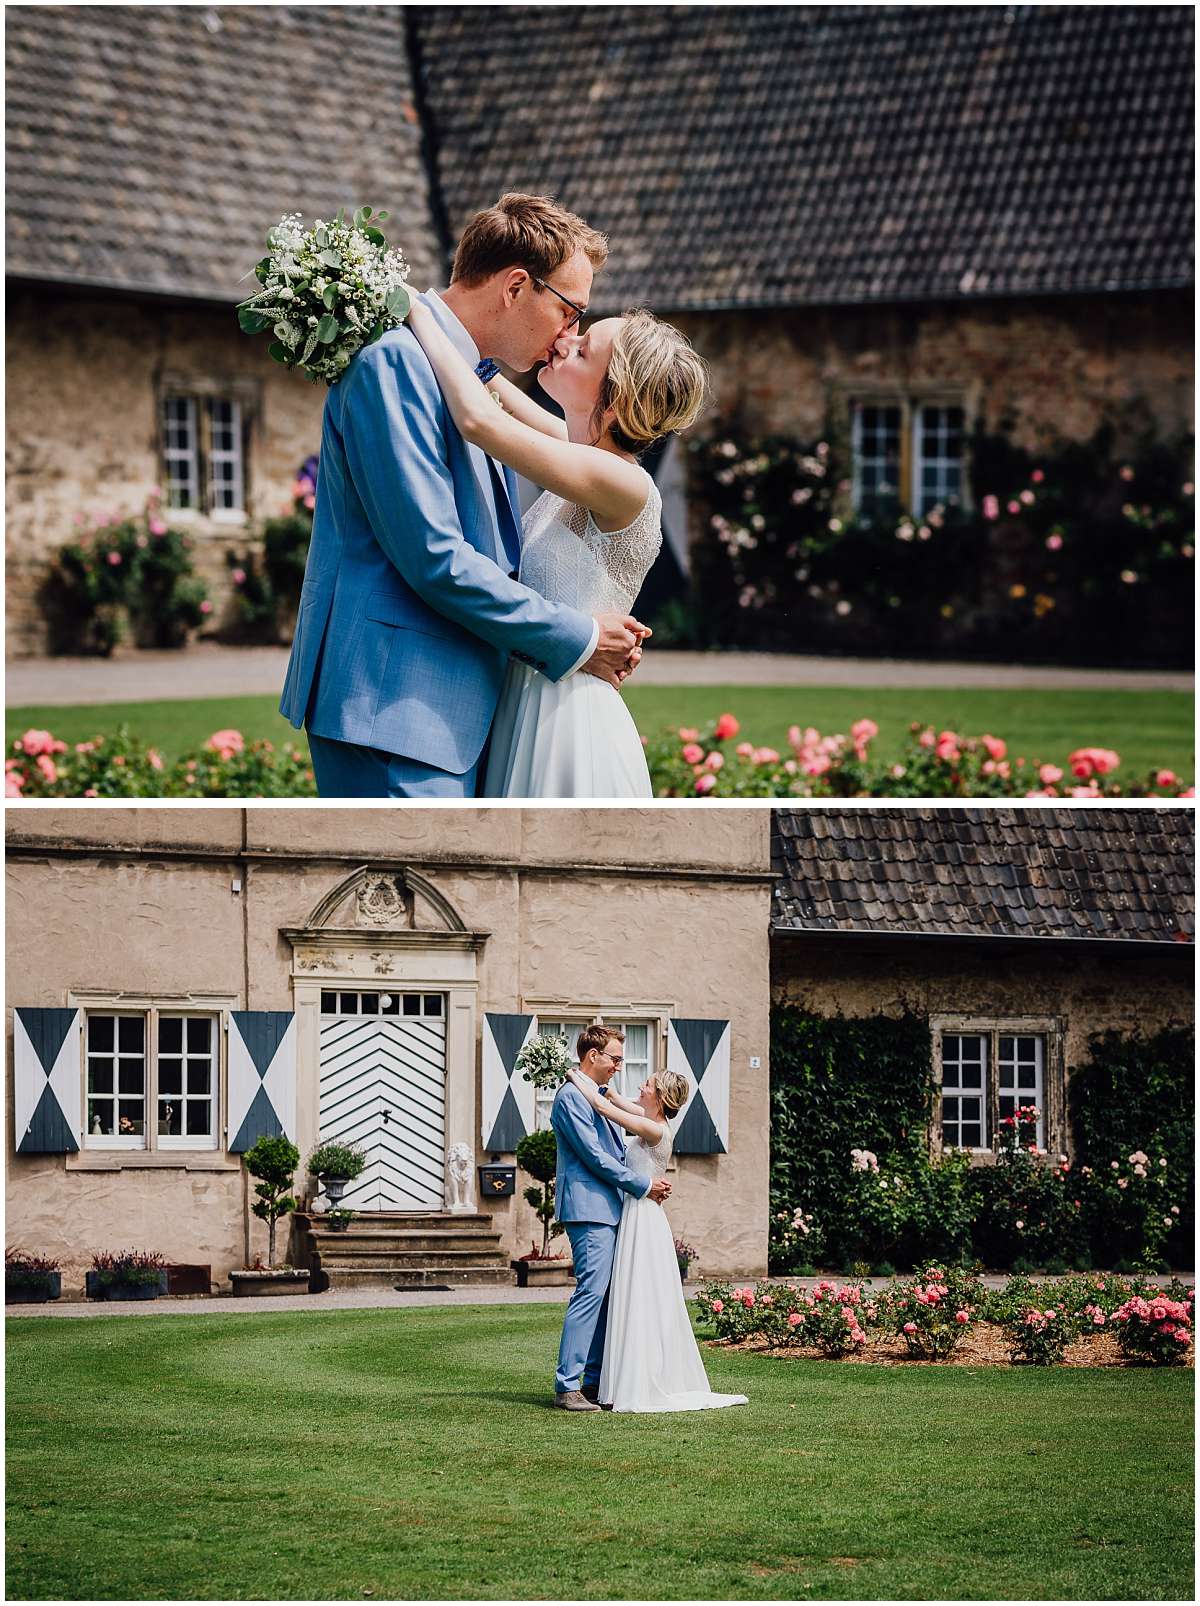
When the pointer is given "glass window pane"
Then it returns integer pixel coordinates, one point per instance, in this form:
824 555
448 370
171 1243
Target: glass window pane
170 1034
170 1076
129 1076
100 1032
972 1137
329 1003
349 1004
99 1118
369 1003
100 1075
170 1118
199 1077
131 1033
130 1118
199 1118
412 1003
199 1034
389 1004
433 1003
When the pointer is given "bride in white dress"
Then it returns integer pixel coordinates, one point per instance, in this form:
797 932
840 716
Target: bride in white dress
651 1359
590 538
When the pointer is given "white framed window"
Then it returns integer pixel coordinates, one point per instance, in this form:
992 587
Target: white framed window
937 456
1021 1077
877 431
964 1090
151 1079
986 1068
203 455
226 493
639 1058
181 452
381 1003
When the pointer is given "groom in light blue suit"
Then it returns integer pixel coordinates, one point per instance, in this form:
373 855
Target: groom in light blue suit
589 1179
411 606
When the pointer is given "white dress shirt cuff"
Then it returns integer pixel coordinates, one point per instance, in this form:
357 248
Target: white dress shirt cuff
588 650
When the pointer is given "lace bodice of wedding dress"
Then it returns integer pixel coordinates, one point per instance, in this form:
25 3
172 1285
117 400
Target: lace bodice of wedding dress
649 1160
566 558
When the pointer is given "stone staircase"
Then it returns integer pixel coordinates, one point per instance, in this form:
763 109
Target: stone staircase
386 1250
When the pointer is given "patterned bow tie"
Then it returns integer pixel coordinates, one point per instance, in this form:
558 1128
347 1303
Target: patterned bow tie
487 369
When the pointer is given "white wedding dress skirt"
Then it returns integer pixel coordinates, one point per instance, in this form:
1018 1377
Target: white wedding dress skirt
574 737
651 1359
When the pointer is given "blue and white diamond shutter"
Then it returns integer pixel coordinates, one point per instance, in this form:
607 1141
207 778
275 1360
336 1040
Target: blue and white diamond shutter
262 1076
47 1080
699 1050
507 1098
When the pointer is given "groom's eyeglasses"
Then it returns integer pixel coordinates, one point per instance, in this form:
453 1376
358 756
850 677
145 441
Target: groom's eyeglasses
577 311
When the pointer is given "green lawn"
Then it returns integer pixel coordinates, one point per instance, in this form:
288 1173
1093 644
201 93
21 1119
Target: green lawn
413 1454
1148 729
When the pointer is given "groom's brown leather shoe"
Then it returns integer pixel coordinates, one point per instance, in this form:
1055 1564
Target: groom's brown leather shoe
574 1400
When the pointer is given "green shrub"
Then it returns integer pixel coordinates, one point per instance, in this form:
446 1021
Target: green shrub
537 1153
1135 1093
337 1160
273 1161
934 1312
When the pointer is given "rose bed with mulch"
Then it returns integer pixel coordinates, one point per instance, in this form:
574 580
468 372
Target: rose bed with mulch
984 1346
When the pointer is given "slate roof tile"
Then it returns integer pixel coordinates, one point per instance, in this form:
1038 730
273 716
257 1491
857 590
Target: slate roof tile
1131 872
151 147
781 156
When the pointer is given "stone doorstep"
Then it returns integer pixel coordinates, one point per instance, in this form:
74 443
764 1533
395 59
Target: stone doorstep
351 1242
399 1220
484 1255
334 1278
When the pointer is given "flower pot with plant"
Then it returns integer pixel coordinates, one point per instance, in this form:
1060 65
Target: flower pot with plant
30 1279
339 1220
334 1165
684 1254
128 1274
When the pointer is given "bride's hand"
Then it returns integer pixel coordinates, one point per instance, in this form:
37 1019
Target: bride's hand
585 1085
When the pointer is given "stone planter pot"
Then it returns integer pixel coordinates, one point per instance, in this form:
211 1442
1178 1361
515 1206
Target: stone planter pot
544 1273
338 1226
247 1283
96 1288
333 1188
684 1268
36 1289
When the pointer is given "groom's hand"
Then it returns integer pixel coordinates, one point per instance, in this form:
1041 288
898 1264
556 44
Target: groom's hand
620 634
659 1189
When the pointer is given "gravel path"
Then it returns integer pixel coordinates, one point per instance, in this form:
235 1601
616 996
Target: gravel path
213 671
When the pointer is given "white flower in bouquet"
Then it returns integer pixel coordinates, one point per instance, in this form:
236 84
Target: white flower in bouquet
544 1061
326 292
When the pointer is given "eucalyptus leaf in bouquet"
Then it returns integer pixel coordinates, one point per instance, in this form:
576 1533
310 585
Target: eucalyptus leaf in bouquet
327 292
544 1061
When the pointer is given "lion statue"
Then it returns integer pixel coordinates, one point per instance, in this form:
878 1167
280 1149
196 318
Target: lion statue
461 1171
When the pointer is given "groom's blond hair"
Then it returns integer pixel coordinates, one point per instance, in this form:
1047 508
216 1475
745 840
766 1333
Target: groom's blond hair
524 231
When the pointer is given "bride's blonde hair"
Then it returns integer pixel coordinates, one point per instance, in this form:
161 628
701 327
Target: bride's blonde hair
655 383
673 1091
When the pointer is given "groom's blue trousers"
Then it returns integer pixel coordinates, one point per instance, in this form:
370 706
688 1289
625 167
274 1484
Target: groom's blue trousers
593 1246
343 769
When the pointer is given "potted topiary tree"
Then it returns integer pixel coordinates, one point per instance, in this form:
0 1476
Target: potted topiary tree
537 1154
30 1279
334 1165
273 1161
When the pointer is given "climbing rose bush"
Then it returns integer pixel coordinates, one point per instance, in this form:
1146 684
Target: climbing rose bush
709 762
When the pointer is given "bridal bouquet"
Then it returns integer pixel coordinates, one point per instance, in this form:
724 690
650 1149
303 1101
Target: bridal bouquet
326 292
544 1061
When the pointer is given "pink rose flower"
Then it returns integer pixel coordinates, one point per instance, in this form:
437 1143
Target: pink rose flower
726 728
926 739
718 1306
706 783
156 526
1098 1319
766 755
996 749
991 507
114 558
91 792
692 753
961 1316
795 1317
239 576
310 502
1054 542
34 742
1166 778
1050 774
155 759
225 743
767 1299
1037 476
206 606
715 761
13 782
48 767
910 1327
688 735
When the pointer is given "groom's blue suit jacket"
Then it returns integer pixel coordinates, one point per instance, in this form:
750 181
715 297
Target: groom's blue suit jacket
410 608
591 1173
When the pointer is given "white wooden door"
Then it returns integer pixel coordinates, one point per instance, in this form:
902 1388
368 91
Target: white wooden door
383 1089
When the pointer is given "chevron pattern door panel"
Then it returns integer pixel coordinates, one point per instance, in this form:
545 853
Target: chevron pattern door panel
47 1080
383 1089
699 1050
